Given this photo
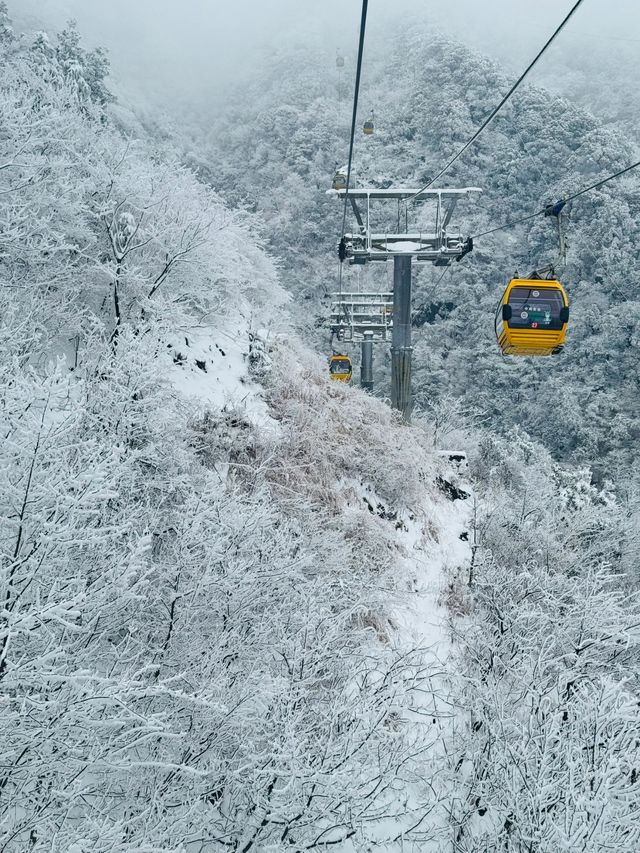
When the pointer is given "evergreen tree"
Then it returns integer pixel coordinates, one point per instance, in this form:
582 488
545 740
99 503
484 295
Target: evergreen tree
7 36
85 71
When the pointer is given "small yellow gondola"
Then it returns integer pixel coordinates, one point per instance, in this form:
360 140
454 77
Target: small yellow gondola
532 317
367 128
340 368
339 180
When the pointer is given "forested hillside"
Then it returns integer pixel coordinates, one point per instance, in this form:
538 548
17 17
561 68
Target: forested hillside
244 608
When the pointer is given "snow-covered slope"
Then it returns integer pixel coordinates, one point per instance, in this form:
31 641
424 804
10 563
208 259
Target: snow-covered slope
201 644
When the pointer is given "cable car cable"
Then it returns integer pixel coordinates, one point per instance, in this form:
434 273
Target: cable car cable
600 183
497 109
562 201
363 24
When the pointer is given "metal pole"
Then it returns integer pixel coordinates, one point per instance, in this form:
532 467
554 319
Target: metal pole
366 363
401 338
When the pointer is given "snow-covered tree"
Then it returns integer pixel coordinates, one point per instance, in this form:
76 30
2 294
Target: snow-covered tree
85 71
7 36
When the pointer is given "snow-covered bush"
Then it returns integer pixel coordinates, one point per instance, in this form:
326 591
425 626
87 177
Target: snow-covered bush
548 650
549 758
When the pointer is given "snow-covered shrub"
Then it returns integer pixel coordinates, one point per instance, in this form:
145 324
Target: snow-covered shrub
549 757
343 432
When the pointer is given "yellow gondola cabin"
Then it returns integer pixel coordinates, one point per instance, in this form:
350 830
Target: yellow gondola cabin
340 368
532 317
367 127
339 180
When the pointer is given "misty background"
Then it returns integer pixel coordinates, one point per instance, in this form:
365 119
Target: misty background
186 52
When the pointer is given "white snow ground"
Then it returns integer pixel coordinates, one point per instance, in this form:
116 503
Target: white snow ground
433 547
210 365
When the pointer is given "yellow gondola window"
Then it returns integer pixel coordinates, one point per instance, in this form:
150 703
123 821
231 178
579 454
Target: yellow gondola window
535 308
340 365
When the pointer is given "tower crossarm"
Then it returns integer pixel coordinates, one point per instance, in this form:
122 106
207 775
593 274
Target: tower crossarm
414 195
436 246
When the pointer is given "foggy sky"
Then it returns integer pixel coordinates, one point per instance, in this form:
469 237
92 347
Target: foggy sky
186 48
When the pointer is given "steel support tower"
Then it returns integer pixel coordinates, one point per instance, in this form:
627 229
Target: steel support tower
439 246
401 337
366 362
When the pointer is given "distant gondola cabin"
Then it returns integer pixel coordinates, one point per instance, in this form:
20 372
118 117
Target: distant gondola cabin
367 128
532 317
339 180
340 368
